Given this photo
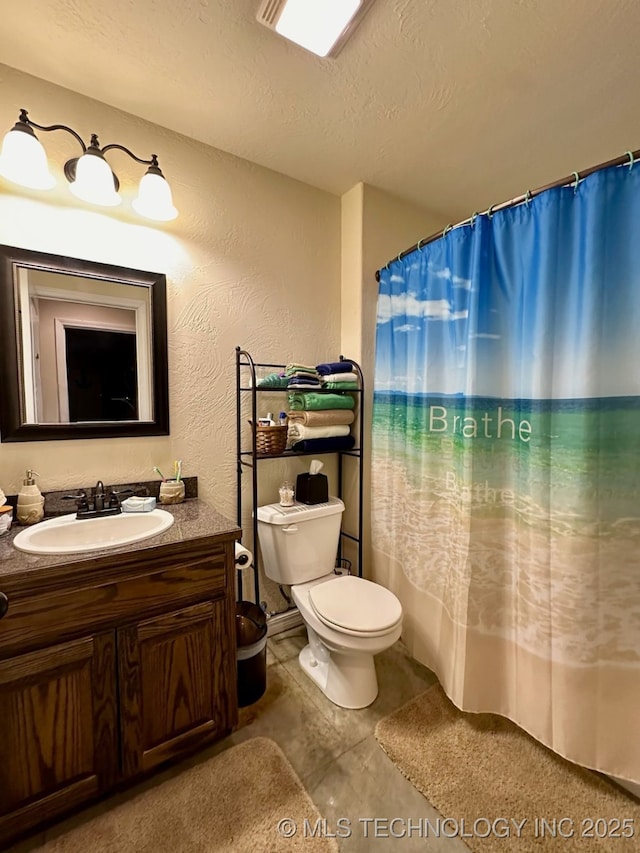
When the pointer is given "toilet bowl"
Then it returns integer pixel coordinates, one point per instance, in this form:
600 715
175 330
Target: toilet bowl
348 619
339 657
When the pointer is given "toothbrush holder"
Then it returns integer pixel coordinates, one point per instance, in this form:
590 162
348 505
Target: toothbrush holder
171 492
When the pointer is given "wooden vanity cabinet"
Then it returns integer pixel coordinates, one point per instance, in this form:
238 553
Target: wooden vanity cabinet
109 670
171 676
58 724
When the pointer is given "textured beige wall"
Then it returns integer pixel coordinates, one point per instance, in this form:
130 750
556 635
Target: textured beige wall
252 260
376 226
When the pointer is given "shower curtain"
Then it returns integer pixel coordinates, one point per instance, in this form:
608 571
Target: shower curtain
506 464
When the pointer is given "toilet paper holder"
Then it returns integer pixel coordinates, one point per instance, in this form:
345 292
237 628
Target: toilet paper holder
243 559
243 556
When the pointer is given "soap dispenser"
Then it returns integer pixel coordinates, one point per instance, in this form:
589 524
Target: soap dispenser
30 507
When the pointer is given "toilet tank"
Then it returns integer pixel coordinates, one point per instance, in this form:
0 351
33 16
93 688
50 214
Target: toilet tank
299 543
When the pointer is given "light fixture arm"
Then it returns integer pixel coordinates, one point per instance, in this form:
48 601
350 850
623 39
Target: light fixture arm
24 123
152 162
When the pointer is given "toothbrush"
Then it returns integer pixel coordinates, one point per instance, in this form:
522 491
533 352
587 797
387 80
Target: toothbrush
178 469
159 472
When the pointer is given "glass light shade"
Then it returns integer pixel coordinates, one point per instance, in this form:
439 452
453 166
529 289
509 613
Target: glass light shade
94 181
316 24
154 200
23 161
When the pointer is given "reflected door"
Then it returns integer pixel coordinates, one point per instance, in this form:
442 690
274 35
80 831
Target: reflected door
101 375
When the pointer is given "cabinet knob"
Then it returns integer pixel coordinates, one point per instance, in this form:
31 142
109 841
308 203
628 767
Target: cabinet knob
4 604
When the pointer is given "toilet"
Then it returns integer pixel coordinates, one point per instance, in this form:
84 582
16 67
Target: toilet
348 619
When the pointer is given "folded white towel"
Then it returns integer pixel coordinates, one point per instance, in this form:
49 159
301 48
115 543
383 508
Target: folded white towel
340 377
298 431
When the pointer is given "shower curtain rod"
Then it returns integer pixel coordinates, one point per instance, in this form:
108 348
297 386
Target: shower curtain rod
628 158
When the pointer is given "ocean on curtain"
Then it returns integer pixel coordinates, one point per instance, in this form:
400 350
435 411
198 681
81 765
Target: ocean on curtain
506 464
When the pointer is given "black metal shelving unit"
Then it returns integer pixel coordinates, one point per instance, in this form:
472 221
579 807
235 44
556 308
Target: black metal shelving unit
248 459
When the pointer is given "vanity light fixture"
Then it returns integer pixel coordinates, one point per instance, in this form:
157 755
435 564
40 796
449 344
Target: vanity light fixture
23 161
321 26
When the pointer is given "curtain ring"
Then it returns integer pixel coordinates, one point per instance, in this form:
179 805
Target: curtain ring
418 246
474 216
399 259
576 182
631 159
446 230
527 197
490 211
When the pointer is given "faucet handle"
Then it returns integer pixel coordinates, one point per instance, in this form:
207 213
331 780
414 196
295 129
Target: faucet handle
80 499
114 496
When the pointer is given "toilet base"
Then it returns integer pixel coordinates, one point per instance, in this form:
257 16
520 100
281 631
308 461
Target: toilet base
348 680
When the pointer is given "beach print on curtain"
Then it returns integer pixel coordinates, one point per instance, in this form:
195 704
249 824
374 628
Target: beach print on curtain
506 464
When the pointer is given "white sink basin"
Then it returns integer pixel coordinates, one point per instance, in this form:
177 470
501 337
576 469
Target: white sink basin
68 535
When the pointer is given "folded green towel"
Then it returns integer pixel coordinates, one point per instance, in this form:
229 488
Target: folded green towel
273 380
313 401
292 368
341 386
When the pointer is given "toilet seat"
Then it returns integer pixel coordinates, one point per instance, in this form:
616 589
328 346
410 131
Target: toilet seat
355 606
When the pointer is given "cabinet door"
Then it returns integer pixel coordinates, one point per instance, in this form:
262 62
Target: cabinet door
175 684
59 730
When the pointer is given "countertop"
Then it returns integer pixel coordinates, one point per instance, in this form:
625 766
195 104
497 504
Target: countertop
194 519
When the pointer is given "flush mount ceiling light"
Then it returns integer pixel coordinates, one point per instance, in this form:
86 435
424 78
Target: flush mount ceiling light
321 26
23 161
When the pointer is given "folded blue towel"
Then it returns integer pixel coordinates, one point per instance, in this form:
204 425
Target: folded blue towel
318 445
334 367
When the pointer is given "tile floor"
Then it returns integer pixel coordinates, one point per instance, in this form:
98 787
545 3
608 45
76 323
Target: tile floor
333 751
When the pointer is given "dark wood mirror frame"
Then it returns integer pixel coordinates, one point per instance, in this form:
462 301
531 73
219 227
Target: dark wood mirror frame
12 427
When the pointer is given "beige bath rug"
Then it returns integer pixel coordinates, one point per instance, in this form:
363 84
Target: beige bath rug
498 789
247 798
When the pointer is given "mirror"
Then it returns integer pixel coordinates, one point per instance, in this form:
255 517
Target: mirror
83 349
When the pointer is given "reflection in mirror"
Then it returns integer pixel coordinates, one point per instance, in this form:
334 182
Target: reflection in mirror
83 349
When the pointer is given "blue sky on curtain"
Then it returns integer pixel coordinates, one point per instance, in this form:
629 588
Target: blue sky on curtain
506 460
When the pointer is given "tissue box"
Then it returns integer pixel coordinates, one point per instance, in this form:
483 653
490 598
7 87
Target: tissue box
312 488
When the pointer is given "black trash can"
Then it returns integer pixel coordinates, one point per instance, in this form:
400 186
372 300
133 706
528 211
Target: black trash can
251 638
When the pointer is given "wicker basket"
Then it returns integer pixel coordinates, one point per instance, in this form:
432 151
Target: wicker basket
271 440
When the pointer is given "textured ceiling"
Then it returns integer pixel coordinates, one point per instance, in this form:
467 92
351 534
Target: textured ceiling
452 104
